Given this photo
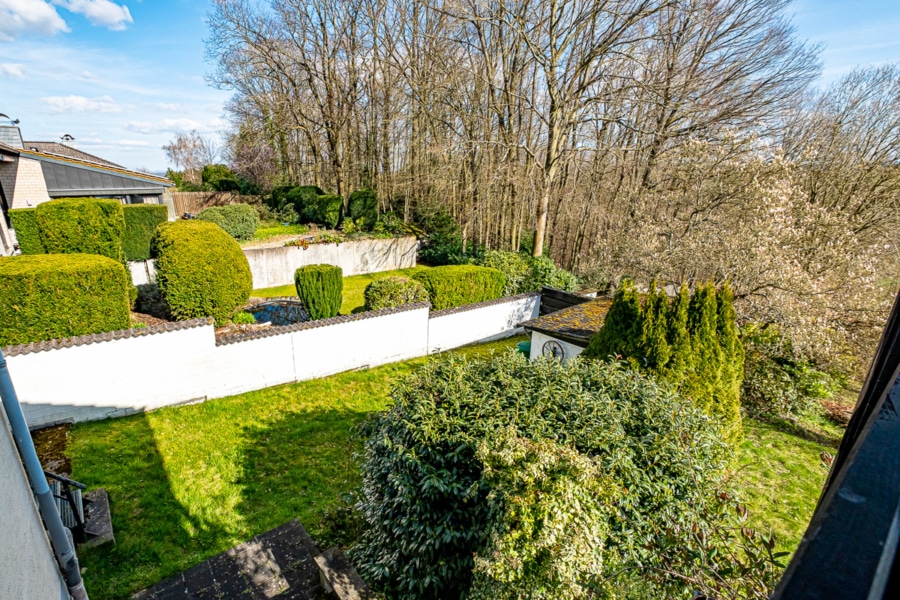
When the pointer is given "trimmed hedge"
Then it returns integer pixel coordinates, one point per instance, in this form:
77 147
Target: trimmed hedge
320 288
458 285
82 225
328 210
239 220
394 291
51 296
303 199
24 222
141 221
200 270
363 204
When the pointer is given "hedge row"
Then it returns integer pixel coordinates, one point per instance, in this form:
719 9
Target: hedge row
390 292
141 221
24 222
458 285
239 220
320 288
200 270
53 296
82 225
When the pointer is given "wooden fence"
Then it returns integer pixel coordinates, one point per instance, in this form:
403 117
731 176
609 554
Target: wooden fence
194 202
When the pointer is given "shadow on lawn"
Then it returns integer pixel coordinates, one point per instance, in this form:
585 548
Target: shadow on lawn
156 537
299 467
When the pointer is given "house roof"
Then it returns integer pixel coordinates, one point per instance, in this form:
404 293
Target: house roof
576 324
64 151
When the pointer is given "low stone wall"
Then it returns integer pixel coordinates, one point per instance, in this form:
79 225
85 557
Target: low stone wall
120 373
276 266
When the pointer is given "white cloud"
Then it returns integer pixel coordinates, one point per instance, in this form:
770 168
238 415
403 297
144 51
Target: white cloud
89 76
169 125
76 104
126 142
28 16
98 12
12 70
169 106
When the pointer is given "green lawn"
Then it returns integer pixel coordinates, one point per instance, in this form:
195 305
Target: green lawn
354 287
186 483
271 230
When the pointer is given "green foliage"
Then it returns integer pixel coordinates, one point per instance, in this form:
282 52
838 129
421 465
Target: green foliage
328 210
220 178
458 285
525 273
499 459
692 343
777 382
82 225
239 220
243 318
363 204
319 288
302 198
24 222
544 273
141 221
444 245
50 296
200 270
394 291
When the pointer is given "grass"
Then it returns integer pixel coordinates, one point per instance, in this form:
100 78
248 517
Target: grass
186 483
272 230
354 288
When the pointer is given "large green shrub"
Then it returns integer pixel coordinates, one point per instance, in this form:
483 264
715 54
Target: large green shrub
200 270
320 288
544 273
24 222
692 343
444 242
49 296
526 273
239 220
363 204
522 471
389 292
457 285
328 210
82 225
303 199
141 221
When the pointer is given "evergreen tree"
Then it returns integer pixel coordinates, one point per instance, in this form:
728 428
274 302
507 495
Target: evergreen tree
621 331
681 361
702 382
654 346
728 392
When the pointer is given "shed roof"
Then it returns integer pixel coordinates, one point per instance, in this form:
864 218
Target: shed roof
576 324
62 150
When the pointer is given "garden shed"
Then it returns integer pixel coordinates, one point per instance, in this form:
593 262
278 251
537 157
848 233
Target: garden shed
566 333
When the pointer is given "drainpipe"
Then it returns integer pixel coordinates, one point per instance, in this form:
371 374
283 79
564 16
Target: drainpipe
60 537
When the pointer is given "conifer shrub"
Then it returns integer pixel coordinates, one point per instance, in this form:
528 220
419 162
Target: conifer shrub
51 296
692 343
457 285
239 220
141 221
24 222
502 477
200 270
303 199
320 288
83 226
389 292
363 204
328 210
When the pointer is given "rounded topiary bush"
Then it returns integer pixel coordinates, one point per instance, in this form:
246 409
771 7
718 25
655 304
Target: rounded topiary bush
200 270
82 225
141 221
24 223
320 288
493 477
239 220
394 291
50 296
363 204
457 285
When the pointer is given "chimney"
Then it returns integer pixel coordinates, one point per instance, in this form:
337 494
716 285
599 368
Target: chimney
9 132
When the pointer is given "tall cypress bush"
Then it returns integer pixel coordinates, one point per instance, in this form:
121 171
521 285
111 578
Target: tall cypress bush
681 359
654 327
621 331
320 288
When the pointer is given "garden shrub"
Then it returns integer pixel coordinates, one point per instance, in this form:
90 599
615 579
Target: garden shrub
526 273
458 285
363 204
692 343
444 243
320 288
239 220
389 292
50 296
504 476
200 270
82 225
303 199
141 221
24 222
328 210
544 273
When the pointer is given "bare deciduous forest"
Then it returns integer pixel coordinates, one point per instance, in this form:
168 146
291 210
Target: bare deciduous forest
681 140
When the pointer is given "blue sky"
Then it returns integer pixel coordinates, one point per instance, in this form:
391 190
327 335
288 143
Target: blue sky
124 77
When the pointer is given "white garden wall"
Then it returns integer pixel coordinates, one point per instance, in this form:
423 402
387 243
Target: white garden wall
119 373
276 266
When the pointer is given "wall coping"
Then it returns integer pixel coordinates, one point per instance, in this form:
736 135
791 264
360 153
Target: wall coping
390 240
467 307
340 319
108 336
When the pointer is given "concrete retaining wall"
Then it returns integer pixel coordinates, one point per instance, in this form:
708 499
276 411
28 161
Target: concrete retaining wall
276 266
120 373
